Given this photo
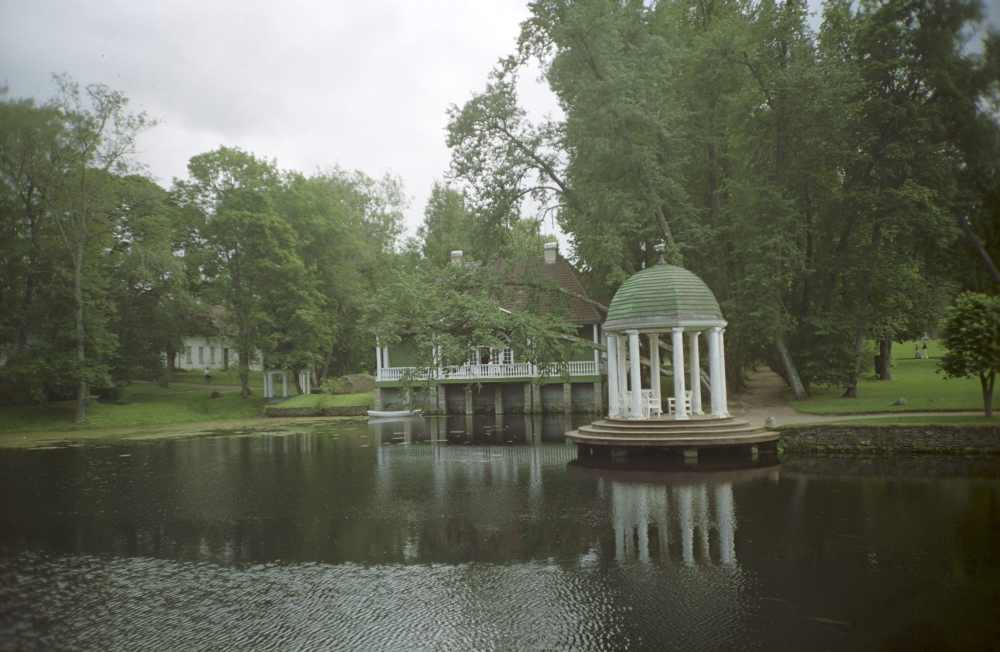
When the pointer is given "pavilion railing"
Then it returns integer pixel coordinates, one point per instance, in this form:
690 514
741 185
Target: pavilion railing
488 371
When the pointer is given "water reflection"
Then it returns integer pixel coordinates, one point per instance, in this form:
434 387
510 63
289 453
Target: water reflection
675 512
489 536
477 429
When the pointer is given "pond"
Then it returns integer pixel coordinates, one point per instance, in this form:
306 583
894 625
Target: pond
460 535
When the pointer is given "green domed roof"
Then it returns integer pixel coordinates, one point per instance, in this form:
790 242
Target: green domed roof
662 296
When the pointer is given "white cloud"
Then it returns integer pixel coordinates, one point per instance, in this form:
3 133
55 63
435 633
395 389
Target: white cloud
312 84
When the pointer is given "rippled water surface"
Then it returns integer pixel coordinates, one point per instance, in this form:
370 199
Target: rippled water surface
457 535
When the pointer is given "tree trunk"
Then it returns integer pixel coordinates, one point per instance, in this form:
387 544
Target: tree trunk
23 335
791 372
81 352
245 371
986 382
977 243
851 387
885 358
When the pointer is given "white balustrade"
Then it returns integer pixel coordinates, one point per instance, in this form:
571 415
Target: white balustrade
479 371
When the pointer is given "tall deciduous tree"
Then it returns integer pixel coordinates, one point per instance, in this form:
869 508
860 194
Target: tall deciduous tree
245 251
812 179
60 164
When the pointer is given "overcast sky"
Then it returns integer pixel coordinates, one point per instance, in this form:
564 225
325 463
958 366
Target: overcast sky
363 85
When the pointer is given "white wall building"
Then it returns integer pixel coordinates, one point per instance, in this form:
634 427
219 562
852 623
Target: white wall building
210 352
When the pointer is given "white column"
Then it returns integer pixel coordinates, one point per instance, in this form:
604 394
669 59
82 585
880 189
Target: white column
597 354
714 373
654 366
722 370
378 360
385 356
622 377
680 393
613 393
634 360
284 384
695 373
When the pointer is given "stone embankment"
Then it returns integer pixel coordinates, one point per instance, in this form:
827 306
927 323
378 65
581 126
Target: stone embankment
891 439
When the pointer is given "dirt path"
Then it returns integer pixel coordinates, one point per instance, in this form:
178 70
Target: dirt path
767 395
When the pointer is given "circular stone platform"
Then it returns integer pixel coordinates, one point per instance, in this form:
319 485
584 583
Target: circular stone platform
696 432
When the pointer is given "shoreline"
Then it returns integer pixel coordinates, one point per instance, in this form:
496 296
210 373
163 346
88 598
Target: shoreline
82 436
891 439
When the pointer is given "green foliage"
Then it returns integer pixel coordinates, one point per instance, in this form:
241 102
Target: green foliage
972 338
813 179
61 166
444 313
103 271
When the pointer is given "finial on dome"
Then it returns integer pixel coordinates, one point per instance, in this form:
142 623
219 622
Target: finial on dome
659 248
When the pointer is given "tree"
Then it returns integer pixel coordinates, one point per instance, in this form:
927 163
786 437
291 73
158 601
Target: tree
242 248
972 337
145 278
346 226
30 265
60 165
454 309
447 225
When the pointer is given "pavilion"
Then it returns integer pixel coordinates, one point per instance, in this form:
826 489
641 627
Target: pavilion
665 302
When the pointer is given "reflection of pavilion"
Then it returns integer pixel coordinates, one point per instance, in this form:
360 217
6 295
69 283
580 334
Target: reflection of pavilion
687 516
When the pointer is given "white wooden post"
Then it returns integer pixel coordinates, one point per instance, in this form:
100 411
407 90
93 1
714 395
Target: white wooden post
597 354
614 408
680 394
715 374
378 360
722 371
622 376
634 361
695 373
654 363
385 357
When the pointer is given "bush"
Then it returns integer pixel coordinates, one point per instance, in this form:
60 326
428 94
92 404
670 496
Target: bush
972 337
349 384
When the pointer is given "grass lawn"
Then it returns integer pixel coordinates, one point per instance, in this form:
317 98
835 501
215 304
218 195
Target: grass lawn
328 400
143 404
915 380
220 377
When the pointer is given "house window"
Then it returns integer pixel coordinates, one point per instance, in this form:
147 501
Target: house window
506 356
211 355
201 355
187 354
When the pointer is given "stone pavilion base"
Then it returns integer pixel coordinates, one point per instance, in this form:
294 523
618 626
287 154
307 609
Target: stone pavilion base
631 437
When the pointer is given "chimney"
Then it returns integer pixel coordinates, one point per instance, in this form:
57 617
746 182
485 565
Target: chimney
456 257
551 252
